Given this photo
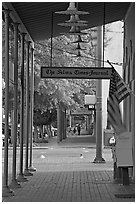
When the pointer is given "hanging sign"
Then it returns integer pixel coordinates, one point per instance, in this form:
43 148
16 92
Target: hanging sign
76 72
80 111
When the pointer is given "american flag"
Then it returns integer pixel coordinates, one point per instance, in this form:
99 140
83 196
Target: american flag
118 91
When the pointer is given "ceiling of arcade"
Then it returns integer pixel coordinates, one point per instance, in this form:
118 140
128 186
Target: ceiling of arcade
37 17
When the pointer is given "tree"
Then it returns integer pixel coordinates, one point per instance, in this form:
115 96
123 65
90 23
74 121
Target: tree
45 118
50 92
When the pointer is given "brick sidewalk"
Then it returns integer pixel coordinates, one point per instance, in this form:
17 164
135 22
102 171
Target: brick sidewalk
62 176
73 186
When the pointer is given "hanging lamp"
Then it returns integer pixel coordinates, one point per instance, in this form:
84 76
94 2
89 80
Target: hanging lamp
78 54
72 10
75 30
79 47
75 18
79 40
74 21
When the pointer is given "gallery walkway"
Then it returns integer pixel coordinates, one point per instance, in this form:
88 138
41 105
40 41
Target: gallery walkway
66 173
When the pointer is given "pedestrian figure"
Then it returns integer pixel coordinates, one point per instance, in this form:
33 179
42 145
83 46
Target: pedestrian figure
79 129
74 130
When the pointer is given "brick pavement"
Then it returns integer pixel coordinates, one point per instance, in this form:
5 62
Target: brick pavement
62 176
73 186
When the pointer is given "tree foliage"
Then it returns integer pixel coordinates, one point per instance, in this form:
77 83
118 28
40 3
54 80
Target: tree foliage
69 91
44 118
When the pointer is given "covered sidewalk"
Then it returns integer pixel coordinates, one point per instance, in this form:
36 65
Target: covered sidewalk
76 180
63 175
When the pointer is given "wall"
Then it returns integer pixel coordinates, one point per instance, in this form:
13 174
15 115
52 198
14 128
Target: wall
129 71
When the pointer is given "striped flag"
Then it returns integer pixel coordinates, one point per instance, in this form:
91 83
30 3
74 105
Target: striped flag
122 89
118 91
114 114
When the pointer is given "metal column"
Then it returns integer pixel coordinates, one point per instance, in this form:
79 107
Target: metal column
14 183
61 123
26 171
31 168
98 158
65 124
95 123
58 124
6 190
70 118
21 177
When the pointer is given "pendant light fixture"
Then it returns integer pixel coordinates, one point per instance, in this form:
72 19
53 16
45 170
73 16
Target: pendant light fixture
75 18
79 48
71 10
68 24
78 54
79 40
75 30
74 23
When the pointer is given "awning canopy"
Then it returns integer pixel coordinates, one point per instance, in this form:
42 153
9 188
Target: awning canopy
37 16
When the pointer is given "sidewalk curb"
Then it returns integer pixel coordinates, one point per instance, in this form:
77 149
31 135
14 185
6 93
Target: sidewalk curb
40 147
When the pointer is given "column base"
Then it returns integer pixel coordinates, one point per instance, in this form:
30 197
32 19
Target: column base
27 173
125 176
118 181
14 184
99 160
6 192
31 168
21 178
